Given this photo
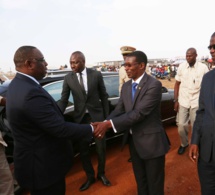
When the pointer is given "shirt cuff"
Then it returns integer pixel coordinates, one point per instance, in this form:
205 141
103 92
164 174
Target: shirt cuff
92 128
114 129
1 98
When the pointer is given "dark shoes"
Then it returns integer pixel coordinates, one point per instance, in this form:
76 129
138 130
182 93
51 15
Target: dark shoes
87 184
182 149
129 160
104 180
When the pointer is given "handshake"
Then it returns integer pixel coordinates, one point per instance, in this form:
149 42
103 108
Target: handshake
100 128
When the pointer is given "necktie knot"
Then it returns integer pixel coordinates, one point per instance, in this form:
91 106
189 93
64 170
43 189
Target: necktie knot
134 88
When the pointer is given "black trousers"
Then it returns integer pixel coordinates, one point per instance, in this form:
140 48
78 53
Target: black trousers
206 172
58 188
85 153
149 173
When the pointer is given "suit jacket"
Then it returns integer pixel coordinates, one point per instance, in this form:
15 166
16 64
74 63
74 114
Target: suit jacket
96 100
142 116
43 152
204 126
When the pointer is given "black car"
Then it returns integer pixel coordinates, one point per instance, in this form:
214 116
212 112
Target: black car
53 85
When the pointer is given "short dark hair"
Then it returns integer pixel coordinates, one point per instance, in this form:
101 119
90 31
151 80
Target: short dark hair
23 53
213 35
140 56
79 53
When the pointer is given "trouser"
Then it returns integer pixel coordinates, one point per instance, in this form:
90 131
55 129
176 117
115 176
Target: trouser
84 147
149 173
206 172
6 178
183 117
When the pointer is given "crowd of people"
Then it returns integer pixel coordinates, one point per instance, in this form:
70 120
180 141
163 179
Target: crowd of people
43 140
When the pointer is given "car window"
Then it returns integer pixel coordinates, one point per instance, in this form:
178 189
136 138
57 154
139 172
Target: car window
112 85
55 89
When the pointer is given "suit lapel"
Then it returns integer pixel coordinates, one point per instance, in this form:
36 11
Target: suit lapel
89 80
75 82
141 87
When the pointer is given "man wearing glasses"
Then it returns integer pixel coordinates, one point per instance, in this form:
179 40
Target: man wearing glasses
186 94
138 115
42 139
202 149
123 77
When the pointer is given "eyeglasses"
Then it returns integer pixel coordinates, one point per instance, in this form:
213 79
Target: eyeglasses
211 46
129 65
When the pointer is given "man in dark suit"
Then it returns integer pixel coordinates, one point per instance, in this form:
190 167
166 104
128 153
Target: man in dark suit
91 104
43 150
202 149
138 113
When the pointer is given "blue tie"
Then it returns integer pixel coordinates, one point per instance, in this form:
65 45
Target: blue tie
134 88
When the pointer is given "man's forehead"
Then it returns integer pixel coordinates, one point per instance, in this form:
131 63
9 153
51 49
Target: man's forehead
75 56
130 59
212 41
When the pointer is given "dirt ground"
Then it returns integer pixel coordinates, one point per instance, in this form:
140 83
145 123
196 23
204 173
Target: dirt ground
181 176
168 84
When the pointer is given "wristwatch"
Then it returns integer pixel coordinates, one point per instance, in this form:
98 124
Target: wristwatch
175 100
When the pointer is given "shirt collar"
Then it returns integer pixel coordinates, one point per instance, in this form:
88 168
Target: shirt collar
32 78
188 66
139 79
84 72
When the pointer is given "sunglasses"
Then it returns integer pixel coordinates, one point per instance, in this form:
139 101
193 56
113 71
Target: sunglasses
211 46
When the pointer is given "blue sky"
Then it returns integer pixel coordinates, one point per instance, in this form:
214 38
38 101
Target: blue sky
160 28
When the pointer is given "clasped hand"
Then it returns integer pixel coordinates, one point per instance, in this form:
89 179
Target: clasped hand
100 128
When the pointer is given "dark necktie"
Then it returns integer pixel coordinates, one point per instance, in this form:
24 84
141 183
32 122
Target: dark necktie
82 83
134 88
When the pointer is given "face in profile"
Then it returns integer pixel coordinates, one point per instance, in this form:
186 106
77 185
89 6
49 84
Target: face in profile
212 49
38 64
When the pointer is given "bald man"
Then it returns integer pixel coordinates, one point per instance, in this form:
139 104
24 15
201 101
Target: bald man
186 94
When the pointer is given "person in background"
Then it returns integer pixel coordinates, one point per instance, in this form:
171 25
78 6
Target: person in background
202 150
138 115
42 139
90 105
186 94
123 77
6 178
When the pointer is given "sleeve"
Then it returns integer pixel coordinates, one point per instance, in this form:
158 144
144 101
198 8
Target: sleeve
199 116
179 73
41 111
103 95
62 103
143 108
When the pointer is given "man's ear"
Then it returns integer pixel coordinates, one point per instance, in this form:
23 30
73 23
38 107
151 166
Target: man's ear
142 65
28 64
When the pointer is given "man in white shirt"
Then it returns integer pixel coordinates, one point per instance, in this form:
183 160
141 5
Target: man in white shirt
186 94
